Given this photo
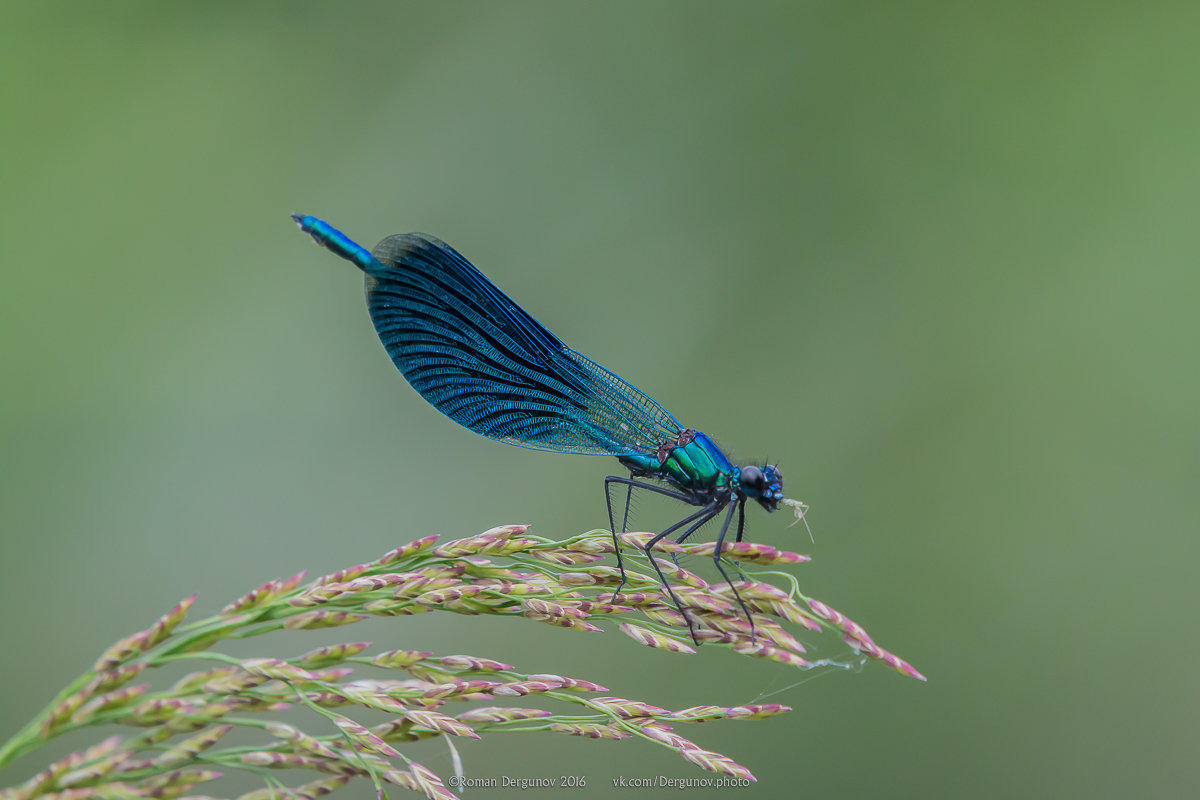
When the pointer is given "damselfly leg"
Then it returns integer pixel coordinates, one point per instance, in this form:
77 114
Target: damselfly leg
630 485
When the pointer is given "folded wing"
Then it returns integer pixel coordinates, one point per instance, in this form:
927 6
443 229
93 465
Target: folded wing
481 360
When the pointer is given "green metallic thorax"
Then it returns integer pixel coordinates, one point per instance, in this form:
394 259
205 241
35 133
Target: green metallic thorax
697 465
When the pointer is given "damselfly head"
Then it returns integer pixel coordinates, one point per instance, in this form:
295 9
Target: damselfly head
764 484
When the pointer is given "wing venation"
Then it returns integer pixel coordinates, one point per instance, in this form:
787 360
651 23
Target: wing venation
481 360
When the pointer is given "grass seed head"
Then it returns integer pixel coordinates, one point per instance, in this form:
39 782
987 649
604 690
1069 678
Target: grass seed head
321 787
589 729
276 669
106 702
545 607
637 599
312 620
406 551
523 688
568 683
759 711
399 659
627 709
668 738
751 552
502 714
697 714
172 784
345 574
764 650
715 762
473 664
268 591
641 539
673 570
651 639
428 782
189 748
440 722
363 739
122 651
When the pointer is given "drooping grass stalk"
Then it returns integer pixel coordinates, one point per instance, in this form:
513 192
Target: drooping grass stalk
503 571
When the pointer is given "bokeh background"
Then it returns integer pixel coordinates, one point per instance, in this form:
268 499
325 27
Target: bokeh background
938 260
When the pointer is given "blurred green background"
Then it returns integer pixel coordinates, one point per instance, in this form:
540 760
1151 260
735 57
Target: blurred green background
938 260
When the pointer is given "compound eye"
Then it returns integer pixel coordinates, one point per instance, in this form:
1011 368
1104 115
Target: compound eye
751 478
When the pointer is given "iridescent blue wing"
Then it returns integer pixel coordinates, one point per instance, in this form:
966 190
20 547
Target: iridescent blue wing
484 362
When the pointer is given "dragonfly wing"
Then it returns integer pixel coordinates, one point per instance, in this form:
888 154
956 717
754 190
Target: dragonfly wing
481 360
613 404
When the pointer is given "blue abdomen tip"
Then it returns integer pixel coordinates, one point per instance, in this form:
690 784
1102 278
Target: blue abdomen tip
305 222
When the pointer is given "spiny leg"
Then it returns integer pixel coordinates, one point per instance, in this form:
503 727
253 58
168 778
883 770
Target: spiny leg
704 515
697 526
652 487
628 500
741 508
683 536
740 529
612 524
741 519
